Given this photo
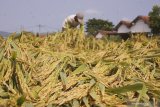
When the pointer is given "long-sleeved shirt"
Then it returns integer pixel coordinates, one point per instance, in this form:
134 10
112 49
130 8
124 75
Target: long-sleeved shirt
70 22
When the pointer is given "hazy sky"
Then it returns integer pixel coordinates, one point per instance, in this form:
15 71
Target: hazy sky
28 14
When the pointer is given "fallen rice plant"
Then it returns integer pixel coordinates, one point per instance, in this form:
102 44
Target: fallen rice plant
67 69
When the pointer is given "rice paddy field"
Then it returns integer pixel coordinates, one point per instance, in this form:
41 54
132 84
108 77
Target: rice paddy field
67 69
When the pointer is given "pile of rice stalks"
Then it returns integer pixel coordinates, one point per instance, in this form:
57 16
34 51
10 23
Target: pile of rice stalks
67 69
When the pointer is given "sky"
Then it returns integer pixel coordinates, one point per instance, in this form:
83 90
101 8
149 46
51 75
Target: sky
17 15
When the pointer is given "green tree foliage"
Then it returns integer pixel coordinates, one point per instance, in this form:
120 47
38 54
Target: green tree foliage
93 25
155 19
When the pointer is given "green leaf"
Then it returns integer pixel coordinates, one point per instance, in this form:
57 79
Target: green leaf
101 105
14 55
1 54
63 78
143 94
75 103
80 69
4 95
134 87
93 95
72 64
85 100
50 105
102 88
16 48
29 105
92 82
20 100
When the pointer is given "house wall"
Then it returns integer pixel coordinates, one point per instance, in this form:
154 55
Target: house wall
140 26
123 29
99 35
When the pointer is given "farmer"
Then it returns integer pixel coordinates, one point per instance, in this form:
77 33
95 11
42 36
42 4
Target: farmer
73 21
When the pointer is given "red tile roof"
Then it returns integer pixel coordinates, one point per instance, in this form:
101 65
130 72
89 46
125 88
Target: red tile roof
144 18
127 23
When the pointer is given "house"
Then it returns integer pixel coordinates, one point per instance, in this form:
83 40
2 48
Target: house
102 33
140 25
123 27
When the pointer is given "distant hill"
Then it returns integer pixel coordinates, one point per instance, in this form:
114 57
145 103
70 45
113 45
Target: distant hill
4 34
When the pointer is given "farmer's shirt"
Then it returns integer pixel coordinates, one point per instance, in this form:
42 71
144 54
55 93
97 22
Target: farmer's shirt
70 22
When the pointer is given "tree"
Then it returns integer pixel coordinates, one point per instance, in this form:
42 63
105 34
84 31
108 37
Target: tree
154 21
93 25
